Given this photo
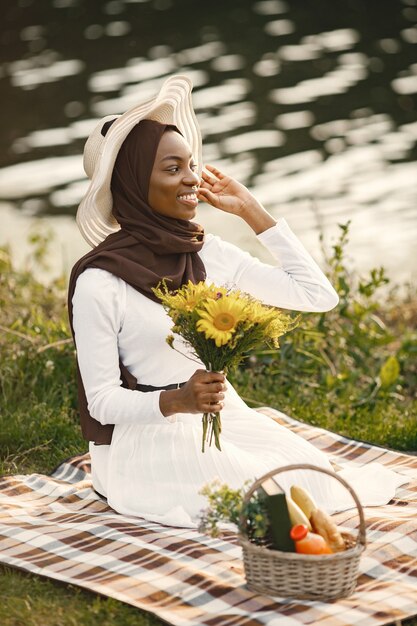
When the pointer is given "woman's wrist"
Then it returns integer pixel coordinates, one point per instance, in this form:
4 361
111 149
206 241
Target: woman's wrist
170 402
257 217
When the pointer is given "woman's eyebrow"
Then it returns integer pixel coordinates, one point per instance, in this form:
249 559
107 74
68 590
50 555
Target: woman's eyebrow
176 158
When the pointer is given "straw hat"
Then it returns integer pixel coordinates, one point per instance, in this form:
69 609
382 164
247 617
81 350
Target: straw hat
172 105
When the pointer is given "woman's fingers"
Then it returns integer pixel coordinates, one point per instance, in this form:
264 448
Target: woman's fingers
207 181
204 188
210 405
214 377
214 176
212 396
208 196
206 185
207 175
218 174
212 408
204 392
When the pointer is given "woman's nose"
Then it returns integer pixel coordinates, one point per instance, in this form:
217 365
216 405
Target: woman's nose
192 178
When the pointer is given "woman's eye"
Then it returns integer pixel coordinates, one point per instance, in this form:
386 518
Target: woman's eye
176 168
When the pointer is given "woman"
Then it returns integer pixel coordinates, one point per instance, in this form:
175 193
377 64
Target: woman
140 401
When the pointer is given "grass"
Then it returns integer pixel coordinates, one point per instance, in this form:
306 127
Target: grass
28 600
351 370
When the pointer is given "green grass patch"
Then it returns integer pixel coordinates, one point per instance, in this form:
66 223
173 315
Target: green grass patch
28 600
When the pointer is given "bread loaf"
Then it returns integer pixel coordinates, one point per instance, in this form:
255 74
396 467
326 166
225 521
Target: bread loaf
324 526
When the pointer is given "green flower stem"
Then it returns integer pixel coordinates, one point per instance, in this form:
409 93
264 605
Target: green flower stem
212 425
217 428
205 427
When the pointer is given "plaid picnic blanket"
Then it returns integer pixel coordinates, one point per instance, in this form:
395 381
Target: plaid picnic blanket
57 526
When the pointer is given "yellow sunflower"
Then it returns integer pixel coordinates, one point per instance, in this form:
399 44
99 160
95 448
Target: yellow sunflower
220 317
189 296
184 299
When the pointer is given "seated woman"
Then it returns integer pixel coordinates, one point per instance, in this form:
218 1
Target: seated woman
140 401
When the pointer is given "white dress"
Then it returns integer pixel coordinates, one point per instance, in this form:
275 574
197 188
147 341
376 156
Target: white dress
154 467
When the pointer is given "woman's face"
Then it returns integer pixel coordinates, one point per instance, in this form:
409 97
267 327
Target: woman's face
174 180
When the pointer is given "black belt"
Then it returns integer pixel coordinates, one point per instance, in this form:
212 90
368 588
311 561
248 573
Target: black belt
146 388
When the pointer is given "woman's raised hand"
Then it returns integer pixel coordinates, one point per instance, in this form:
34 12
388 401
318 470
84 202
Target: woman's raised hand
227 194
224 192
202 393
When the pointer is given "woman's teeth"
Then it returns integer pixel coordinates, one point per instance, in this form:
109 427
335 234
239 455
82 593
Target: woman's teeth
188 196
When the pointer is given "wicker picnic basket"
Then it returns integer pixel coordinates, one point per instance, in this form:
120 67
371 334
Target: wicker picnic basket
306 577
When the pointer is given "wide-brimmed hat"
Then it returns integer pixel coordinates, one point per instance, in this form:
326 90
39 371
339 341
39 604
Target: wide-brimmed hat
172 105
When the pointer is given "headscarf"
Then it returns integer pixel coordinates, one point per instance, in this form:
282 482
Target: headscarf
147 248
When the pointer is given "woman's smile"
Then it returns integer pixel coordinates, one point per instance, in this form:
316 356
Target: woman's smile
190 199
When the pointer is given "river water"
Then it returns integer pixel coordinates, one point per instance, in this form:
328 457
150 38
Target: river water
310 104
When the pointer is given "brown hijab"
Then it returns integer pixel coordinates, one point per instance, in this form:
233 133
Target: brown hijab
148 247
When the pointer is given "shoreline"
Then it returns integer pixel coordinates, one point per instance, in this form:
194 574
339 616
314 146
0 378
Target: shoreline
67 244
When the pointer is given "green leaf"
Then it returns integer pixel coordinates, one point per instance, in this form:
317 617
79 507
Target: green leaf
389 372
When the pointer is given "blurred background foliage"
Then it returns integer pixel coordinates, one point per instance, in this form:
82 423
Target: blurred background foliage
353 369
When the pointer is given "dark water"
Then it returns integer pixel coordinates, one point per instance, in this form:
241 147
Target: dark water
311 104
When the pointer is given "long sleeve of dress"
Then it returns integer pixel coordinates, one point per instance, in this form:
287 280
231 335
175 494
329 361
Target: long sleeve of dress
296 282
98 306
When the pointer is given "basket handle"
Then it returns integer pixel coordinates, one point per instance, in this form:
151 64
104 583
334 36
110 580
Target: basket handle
287 468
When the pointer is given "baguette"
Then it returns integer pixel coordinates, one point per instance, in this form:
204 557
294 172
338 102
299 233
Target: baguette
304 500
323 525
296 514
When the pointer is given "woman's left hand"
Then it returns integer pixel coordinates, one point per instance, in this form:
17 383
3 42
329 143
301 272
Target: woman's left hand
224 192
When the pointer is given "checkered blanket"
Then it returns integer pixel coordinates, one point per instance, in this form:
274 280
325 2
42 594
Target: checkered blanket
58 527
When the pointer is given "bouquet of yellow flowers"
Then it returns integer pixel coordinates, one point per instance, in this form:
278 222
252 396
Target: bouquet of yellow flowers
221 326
